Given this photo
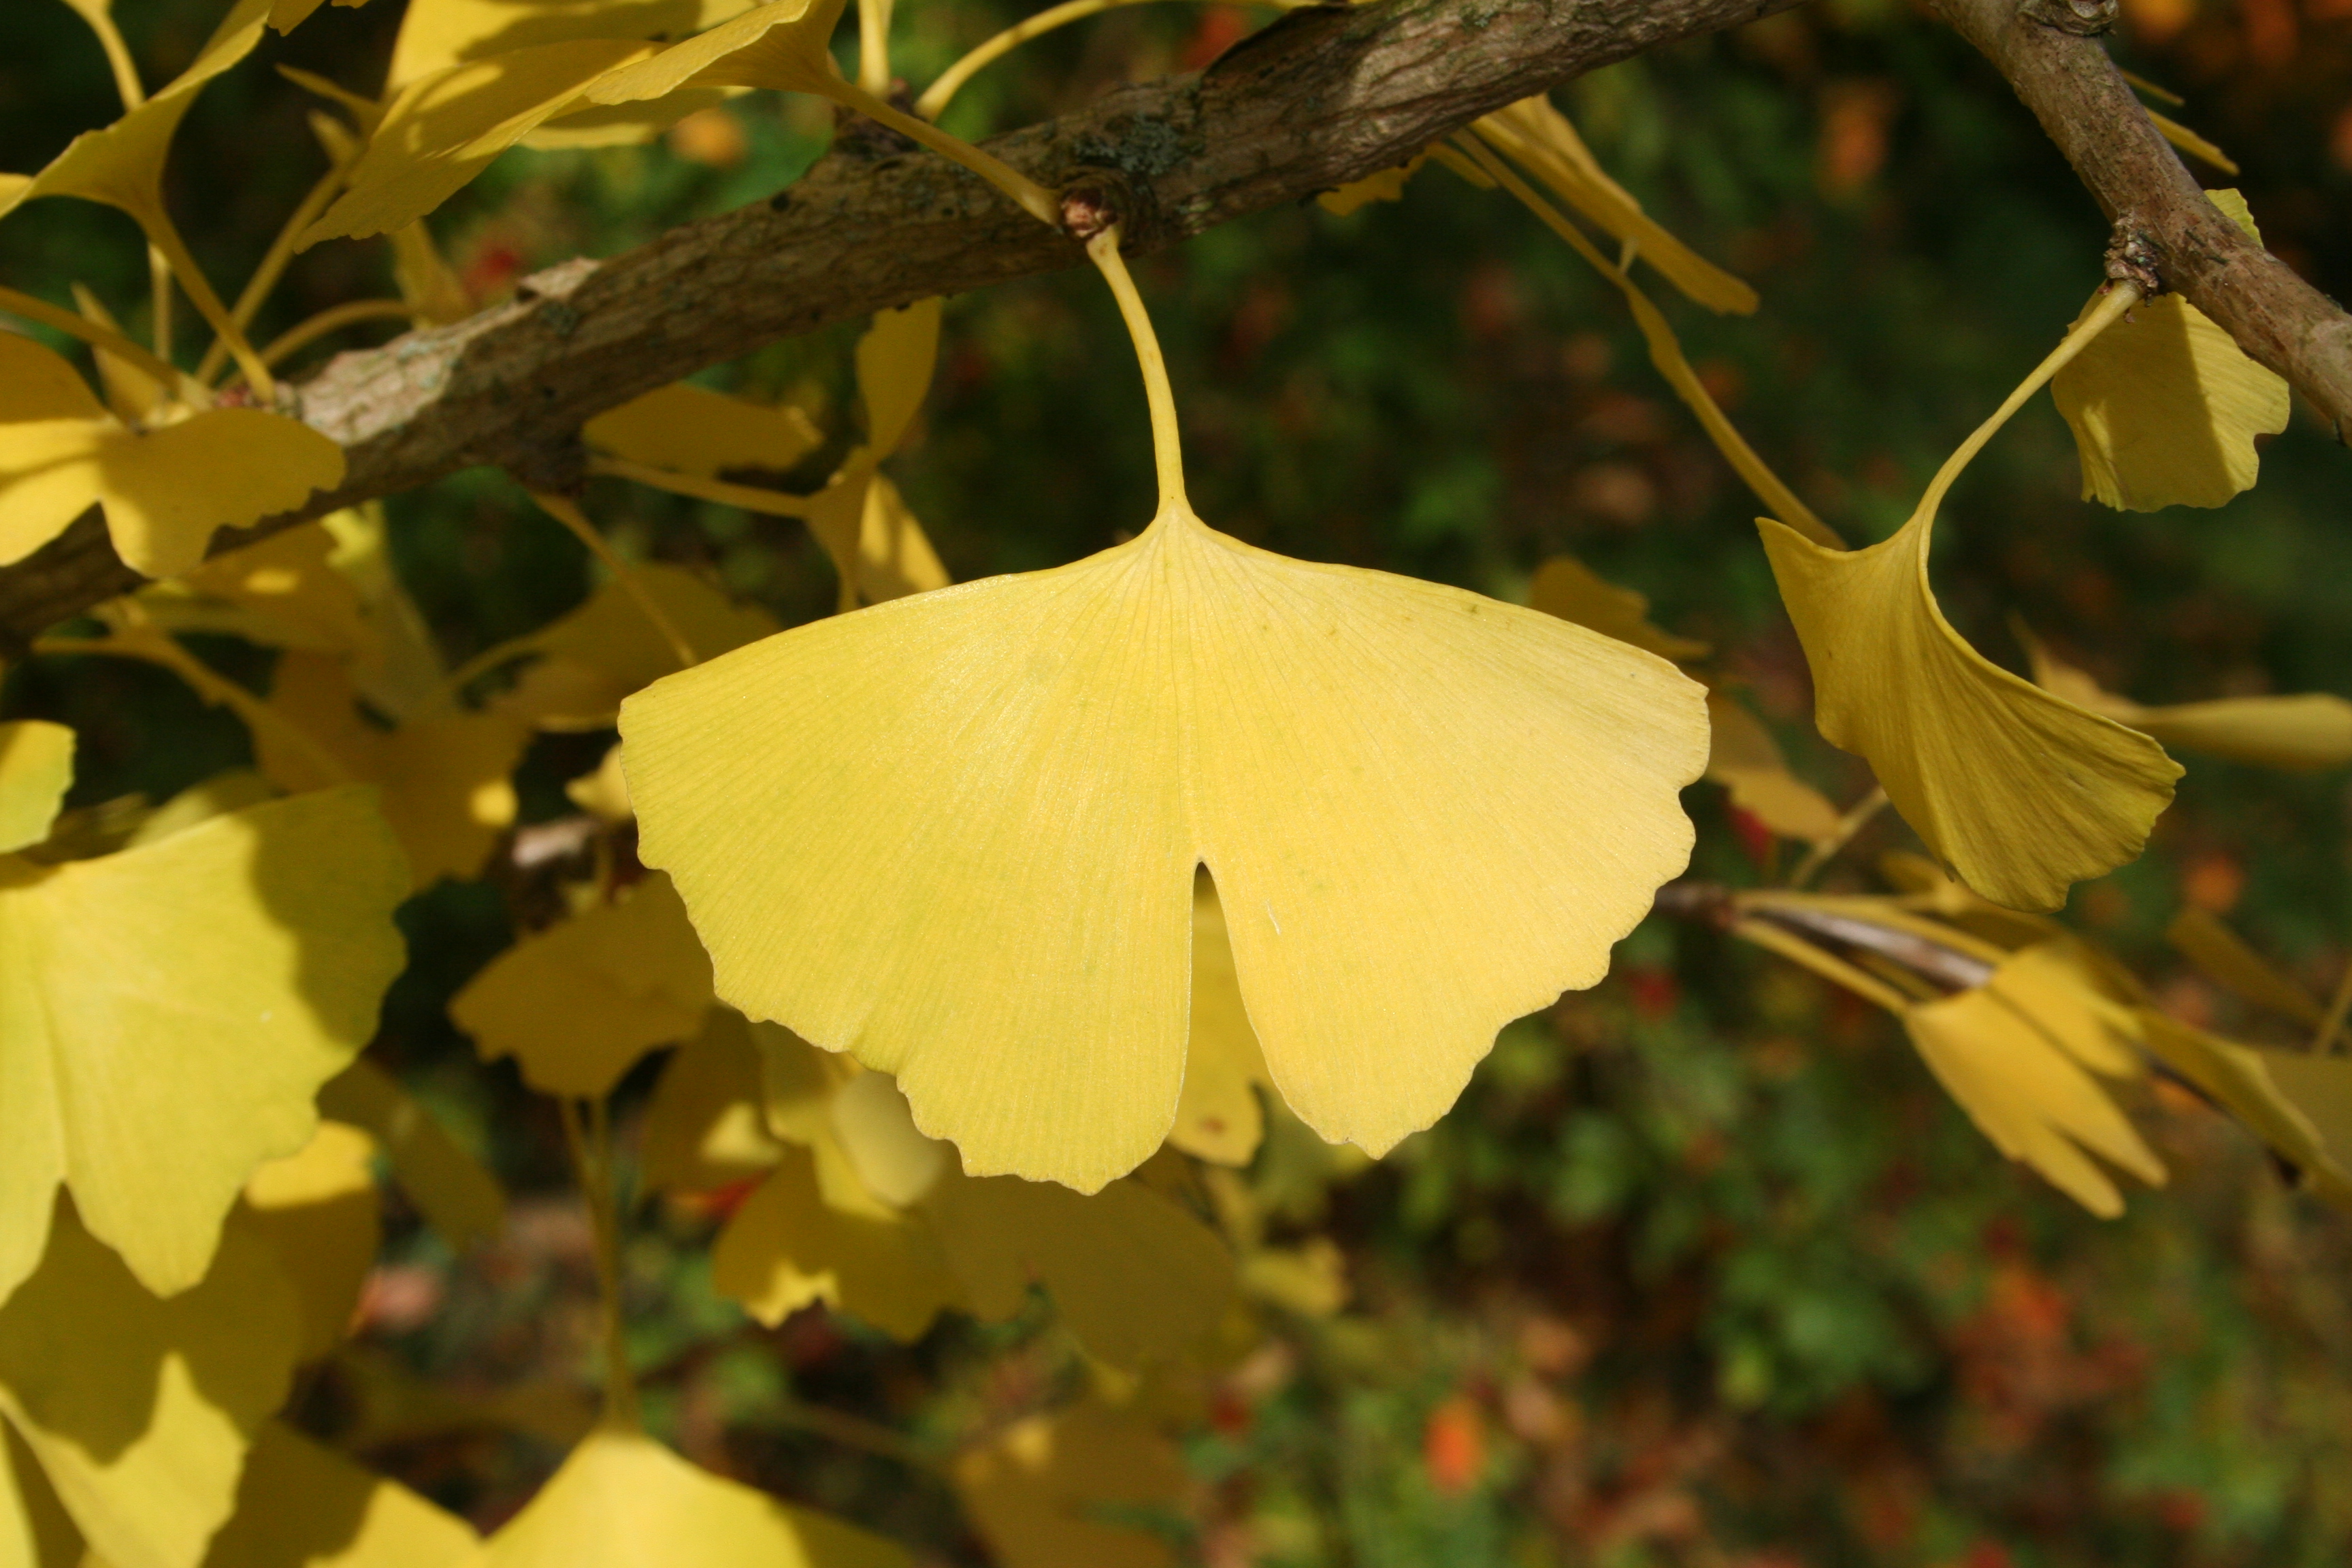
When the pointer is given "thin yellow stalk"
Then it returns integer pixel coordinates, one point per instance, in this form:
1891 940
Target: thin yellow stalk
166 238
750 497
1665 352
118 53
97 336
936 97
633 584
159 284
1855 819
874 46
589 1137
2121 298
258 716
333 319
1167 447
2332 1024
1828 966
273 267
1034 198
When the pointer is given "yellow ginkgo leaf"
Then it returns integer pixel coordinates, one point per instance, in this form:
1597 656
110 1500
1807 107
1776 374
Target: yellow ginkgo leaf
786 1247
1538 138
578 1003
288 14
690 429
1567 587
36 771
1052 1490
284 592
140 1410
443 777
2019 791
2307 730
167 1013
166 489
446 128
895 359
2051 985
132 392
1218 1117
2245 1081
2165 405
2202 938
1387 185
317 1209
623 1501
782 45
1743 758
452 1189
437 34
704 1127
603 794
302 1505
1426 812
2024 1090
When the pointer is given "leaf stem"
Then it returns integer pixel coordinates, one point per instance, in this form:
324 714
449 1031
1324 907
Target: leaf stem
118 54
632 582
1034 198
1830 967
1167 445
1665 352
2119 298
588 1133
2324 1041
333 319
1855 819
750 497
874 46
936 97
165 238
98 337
273 267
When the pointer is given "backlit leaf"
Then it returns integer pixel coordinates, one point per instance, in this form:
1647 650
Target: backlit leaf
284 592
166 489
782 45
786 1247
437 34
593 656
1387 185
2019 791
2321 1089
167 1013
35 1530
446 128
893 371
35 770
140 1410
578 1003
623 1501
1426 812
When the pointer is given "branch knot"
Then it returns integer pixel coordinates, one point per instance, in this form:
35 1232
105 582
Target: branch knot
2083 19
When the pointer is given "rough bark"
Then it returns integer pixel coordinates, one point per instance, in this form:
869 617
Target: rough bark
2051 53
1325 95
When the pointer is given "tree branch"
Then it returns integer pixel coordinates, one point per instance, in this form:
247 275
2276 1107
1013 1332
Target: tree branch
1323 96
2050 52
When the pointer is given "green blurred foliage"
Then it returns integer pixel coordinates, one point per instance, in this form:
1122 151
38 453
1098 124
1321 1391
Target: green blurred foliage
1704 1269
